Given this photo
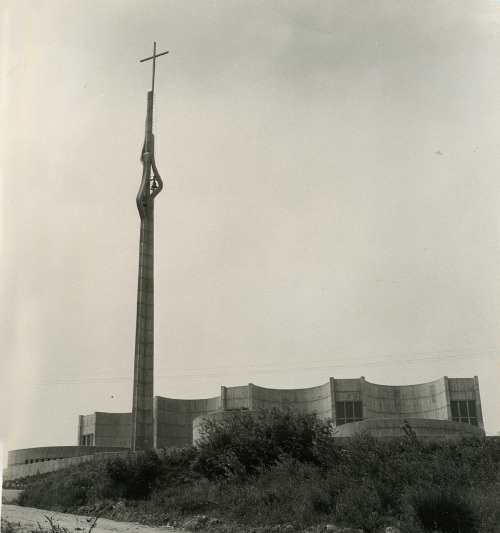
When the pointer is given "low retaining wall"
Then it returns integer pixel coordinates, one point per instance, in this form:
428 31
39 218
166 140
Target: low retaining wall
20 471
43 454
424 428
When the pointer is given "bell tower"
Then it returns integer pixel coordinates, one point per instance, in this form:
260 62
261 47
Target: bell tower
151 186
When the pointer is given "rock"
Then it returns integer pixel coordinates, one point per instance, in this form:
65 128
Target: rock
337 529
120 506
195 522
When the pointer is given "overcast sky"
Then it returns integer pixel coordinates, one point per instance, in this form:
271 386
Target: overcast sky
331 201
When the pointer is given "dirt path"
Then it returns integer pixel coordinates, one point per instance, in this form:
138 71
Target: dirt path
29 519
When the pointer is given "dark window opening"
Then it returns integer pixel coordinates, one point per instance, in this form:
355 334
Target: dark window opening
87 440
348 412
464 411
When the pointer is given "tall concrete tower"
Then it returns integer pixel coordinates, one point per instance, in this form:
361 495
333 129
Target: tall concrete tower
151 186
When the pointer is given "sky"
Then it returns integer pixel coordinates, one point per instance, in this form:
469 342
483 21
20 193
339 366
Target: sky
330 208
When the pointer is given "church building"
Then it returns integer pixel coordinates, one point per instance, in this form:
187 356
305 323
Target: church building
447 407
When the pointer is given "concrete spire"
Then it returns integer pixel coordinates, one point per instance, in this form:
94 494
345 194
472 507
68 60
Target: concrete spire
151 186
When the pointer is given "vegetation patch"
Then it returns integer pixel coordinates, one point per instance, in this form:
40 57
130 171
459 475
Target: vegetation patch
285 471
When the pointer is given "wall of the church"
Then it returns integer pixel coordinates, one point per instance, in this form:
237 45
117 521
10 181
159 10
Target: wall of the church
318 399
173 419
51 453
426 400
346 401
425 429
105 429
441 408
354 404
47 462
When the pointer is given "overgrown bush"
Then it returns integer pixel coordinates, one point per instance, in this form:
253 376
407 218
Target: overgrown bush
61 490
279 467
135 476
360 505
243 442
288 492
445 510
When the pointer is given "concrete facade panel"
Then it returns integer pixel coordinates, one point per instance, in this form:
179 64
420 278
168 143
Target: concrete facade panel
423 428
315 399
173 419
19 471
427 400
108 429
51 453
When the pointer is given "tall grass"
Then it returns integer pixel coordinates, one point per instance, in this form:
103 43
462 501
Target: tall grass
362 482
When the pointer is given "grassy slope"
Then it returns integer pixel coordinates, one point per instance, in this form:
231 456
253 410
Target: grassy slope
362 483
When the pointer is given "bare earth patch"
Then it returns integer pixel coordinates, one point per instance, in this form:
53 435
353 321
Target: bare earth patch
29 518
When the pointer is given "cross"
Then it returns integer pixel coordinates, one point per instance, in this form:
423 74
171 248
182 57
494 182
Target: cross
153 57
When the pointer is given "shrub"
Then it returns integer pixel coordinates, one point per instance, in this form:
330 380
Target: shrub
359 505
177 465
288 492
445 510
243 442
135 476
61 490
184 500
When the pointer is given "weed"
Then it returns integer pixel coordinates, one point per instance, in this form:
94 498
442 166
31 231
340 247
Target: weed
57 528
445 510
9 527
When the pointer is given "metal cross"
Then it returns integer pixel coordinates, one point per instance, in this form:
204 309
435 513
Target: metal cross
153 57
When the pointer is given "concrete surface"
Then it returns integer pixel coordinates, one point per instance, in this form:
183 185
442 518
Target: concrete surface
11 496
45 454
425 429
19 471
106 429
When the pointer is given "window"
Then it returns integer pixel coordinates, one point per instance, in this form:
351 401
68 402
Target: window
464 411
87 440
348 412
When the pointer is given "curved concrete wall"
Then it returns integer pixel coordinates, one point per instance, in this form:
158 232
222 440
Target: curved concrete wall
425 429
426 400
318 399
51 453
178 421
173 419
217 417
